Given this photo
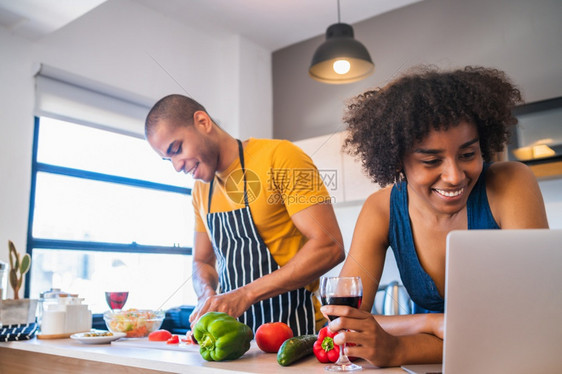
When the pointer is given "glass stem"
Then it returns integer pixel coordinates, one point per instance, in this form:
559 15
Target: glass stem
343 359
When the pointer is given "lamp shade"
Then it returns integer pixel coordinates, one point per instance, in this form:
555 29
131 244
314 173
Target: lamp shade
341 58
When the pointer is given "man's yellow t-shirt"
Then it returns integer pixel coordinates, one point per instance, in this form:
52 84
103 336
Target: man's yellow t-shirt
281 180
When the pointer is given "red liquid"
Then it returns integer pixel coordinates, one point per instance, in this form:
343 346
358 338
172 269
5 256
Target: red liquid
116 300
352 301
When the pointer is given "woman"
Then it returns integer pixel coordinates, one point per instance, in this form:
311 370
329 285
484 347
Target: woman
430 135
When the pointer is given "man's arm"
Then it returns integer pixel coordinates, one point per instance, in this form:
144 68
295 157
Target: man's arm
204 276
322 251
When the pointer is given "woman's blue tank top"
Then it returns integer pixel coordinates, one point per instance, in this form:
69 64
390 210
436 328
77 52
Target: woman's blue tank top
420 286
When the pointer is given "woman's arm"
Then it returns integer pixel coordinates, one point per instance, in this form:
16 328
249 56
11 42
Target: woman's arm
382 340
378 346
369 245
429 323
515 197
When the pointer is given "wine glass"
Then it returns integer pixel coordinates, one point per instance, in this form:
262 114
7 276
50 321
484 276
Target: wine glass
116 300
341 291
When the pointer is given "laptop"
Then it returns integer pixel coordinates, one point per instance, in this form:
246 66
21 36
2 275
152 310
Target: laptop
503 308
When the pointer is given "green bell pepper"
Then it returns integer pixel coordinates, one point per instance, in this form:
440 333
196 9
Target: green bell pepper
222 337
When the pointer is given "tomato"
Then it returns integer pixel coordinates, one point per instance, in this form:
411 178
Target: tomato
189 338
159 336
173 340
270 336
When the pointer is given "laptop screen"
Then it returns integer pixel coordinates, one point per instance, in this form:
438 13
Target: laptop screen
503 303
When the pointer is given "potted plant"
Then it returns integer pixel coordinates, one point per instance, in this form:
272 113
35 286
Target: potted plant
17 311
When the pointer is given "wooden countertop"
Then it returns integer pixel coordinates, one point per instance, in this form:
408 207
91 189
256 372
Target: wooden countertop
70 356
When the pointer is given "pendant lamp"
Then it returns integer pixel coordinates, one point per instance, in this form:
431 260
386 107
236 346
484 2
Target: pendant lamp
340 59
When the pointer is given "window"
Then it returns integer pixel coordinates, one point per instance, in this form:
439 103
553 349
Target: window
107 213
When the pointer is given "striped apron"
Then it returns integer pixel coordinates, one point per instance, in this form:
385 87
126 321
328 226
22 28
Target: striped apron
243 257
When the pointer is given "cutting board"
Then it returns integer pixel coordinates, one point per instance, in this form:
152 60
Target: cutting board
145 343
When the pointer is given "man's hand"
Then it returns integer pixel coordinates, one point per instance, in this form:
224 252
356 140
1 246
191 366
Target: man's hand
196 313
233 303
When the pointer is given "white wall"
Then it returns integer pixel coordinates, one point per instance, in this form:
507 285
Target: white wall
552 195
16 129
246 81
126 45
521 37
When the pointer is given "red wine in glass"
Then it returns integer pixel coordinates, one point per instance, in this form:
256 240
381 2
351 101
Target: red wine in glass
116 300
352 301
341 291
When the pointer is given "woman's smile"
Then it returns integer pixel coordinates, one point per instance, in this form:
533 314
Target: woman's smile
443 168
449 193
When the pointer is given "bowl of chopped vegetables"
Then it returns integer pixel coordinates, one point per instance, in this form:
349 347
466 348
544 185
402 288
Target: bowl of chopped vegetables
136 323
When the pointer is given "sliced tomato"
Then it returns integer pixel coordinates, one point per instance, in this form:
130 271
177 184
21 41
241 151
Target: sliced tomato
189 338
173 340
159 336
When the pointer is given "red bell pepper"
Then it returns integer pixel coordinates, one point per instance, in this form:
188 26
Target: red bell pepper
324 348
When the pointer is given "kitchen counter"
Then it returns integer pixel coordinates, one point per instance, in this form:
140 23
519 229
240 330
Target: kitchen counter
70 356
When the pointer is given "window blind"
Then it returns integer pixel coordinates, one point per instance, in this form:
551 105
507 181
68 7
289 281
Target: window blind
69 97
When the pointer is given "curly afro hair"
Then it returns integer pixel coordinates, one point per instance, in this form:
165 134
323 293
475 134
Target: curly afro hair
385 123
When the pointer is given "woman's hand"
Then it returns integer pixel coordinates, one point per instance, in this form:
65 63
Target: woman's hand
372 343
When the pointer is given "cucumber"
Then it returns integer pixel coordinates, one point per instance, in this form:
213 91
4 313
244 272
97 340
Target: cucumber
294 349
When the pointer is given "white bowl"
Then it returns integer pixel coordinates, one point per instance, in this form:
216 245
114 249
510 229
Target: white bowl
136 323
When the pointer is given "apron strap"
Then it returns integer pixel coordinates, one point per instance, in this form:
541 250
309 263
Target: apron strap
241 155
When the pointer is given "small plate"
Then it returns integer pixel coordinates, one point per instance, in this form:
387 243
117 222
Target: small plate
96 339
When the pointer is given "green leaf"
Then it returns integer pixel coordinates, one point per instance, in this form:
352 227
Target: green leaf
12 246
13 278
13 255
25 264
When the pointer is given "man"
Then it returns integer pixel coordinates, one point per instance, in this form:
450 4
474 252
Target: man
264 226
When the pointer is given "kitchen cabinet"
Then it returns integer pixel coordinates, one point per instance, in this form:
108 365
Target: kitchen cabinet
351 189
342 174
537 139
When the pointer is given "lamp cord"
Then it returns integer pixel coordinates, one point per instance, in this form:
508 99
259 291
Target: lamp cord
339 11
